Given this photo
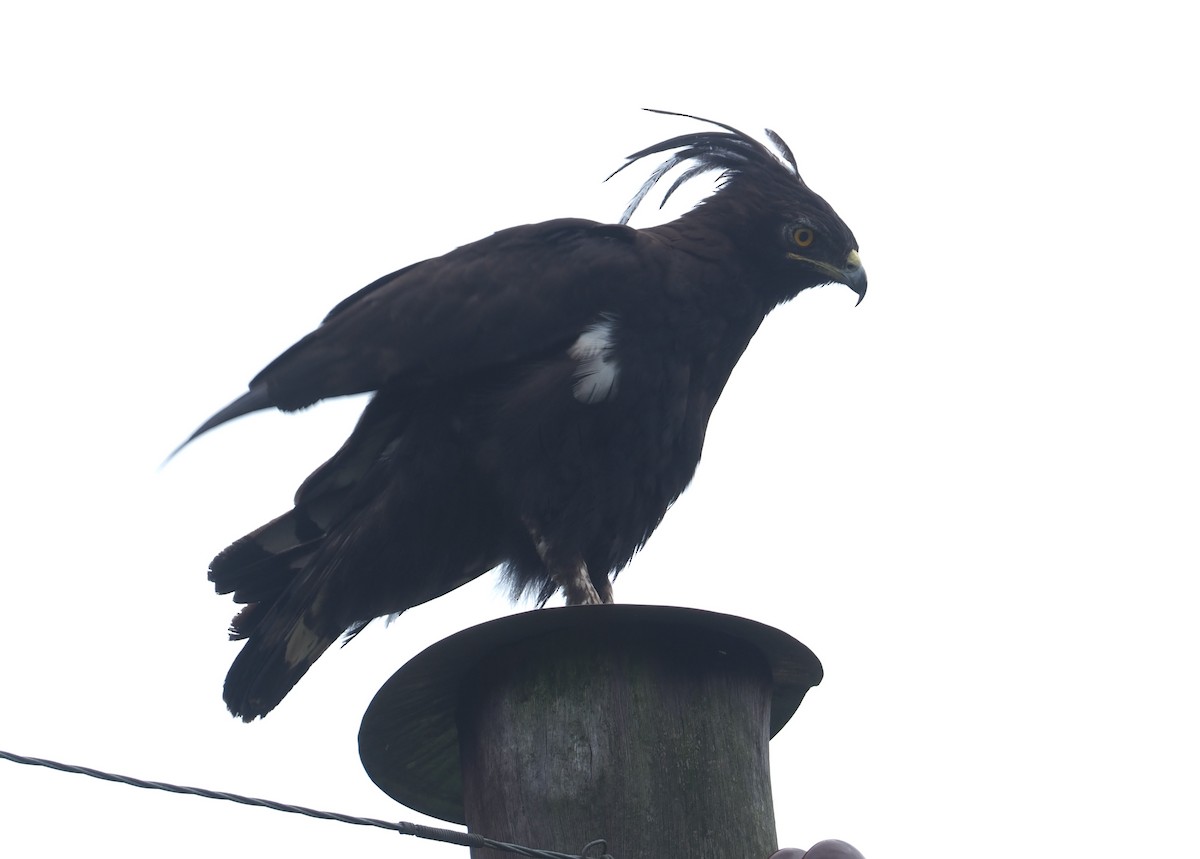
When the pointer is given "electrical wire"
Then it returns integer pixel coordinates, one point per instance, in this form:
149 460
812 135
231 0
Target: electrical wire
592 850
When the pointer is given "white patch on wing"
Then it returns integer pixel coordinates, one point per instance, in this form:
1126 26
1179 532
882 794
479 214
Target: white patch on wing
597 370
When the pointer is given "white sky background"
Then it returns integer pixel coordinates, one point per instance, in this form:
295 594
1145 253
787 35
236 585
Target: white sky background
974 496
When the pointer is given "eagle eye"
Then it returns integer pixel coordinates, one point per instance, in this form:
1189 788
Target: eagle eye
803 237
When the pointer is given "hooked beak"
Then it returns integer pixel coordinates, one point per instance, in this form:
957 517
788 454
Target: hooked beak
852 274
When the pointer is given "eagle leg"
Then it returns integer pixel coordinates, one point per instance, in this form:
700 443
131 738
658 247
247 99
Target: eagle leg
604 588
577 585
571 574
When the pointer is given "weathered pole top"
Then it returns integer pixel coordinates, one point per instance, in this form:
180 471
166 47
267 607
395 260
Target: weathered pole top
409 738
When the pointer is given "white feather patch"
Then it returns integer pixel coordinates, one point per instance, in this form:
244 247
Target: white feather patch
596 371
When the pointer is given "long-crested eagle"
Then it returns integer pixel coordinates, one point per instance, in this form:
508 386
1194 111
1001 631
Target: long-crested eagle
540 399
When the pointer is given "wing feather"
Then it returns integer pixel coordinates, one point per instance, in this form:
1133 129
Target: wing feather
497 300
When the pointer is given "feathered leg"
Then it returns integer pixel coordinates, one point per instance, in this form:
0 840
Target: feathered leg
570 572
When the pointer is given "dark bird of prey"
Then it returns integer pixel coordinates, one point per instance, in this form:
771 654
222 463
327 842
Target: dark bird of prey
540 399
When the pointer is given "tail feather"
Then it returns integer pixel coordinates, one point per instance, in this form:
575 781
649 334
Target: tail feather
395 518
253 576
272 572
287 573
278 653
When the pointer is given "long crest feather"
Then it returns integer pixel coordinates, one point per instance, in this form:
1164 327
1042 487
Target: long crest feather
731 151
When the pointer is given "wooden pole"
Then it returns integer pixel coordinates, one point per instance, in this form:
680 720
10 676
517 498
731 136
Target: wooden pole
656 743
645 726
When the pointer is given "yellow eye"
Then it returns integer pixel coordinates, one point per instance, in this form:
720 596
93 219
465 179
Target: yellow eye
802 236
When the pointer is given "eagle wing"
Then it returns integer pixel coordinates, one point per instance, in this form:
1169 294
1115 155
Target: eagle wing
512 295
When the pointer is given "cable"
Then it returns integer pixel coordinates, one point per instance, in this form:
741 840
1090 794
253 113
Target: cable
450 836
